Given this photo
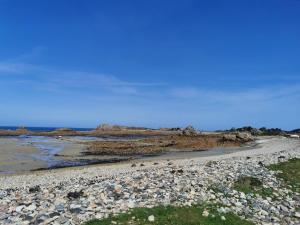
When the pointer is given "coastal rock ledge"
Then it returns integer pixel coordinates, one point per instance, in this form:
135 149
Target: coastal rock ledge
75 195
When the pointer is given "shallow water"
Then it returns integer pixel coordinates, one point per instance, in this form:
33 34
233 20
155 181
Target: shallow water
48 152
25 153
47 147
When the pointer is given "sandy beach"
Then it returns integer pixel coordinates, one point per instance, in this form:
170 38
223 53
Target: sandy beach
17 157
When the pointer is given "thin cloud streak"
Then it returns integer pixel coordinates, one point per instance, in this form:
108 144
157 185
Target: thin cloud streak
54 81
250 95
50 79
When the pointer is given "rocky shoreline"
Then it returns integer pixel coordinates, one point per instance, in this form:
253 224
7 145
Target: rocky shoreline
73 196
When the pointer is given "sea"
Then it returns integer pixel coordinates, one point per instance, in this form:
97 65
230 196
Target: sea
42 129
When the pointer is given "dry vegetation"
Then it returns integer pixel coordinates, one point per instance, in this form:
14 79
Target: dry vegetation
155 145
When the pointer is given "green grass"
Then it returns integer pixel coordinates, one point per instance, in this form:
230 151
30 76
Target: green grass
252 185
172 215
290 172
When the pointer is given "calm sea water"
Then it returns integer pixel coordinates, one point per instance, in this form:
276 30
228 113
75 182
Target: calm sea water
44 129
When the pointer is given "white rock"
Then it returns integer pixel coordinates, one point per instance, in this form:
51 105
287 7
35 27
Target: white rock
131 204
32 207
242 195
205 213
20 208
151 218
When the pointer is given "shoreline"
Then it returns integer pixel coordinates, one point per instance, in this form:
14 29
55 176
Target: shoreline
94 161
126 166
48 196
24 154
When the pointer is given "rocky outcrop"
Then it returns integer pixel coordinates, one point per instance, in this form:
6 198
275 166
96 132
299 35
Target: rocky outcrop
108 127
104 126
295 131
229 137
272 131
22 130
259 132
244 136
64 130
190 131
238 136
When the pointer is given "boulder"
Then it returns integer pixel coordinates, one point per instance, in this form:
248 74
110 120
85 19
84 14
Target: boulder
256 132
244 136
190 131
229 137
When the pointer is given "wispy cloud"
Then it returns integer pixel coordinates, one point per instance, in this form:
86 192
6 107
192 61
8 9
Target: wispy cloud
49 79
8 68
43 78
234 96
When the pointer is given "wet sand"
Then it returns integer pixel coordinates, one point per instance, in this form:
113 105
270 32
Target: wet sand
15 157
31 153
25 154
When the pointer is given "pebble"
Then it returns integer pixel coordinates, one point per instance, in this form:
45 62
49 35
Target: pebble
205 213
20 208
32 207
151 218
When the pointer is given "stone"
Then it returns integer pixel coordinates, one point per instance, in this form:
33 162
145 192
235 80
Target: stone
54 214
131 204
60 207
75 208
229 137
20 208
34 189
117 188
3 194
151 218
244 136
205 213
242 195
32 207
189 131
297 214
284 208
75 194
222 210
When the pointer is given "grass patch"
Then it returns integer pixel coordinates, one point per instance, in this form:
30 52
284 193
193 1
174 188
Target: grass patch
252 185
171 215
290 172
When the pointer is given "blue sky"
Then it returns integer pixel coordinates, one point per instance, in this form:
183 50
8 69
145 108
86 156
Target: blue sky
213 64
